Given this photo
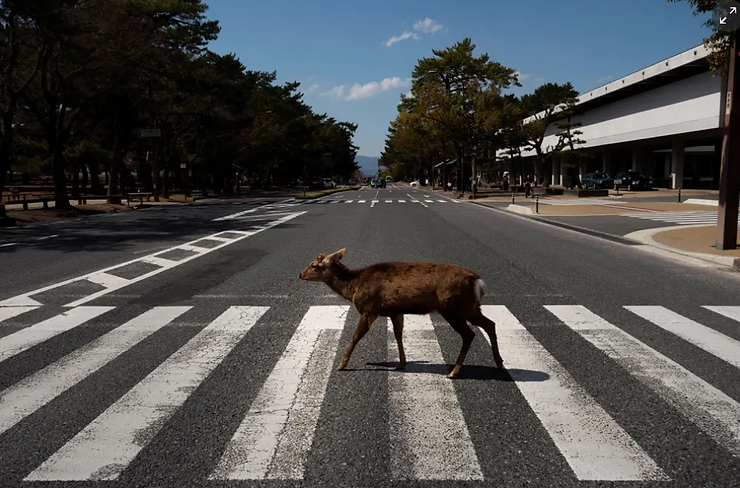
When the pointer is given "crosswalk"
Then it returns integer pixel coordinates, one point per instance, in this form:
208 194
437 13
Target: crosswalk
380 201
428 421
680 218
580 201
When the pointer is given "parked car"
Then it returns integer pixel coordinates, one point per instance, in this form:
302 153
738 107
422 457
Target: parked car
597 180
414 183
376 183
632 180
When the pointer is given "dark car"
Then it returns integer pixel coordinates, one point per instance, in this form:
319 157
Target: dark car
632 180
374 183
598 180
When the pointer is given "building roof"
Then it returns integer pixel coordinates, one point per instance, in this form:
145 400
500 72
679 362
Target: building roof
683 65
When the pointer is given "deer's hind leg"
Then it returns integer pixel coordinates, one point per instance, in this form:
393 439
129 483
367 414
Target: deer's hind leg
466 333
488 325
397 321
366 320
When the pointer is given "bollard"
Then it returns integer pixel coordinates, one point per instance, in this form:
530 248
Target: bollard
679 194
512 198
537 204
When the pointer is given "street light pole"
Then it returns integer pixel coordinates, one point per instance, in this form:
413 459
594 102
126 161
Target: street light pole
729 180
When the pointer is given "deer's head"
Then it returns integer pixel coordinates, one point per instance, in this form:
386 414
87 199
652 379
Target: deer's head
319 270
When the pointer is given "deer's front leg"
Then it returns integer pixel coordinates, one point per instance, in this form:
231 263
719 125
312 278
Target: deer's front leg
363 326
397 321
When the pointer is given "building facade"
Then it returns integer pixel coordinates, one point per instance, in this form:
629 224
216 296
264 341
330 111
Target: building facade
665 121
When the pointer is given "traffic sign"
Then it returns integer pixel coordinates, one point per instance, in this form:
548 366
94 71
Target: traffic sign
128 160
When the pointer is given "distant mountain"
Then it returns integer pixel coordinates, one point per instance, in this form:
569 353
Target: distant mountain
368 164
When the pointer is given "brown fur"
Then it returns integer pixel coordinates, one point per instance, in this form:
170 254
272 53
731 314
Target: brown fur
393 289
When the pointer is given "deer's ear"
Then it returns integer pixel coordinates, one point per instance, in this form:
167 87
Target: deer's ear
337 256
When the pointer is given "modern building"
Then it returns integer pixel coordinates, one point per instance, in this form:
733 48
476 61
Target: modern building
665 120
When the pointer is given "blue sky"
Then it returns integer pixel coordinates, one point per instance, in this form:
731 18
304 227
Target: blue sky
340 51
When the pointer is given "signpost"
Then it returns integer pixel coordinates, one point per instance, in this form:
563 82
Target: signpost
128 160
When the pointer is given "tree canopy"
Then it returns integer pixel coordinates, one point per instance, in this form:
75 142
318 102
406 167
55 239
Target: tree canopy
83 78
458 110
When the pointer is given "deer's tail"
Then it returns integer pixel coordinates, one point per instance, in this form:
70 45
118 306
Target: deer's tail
479 287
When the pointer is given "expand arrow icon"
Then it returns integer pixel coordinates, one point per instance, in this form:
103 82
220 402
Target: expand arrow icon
733 10
722 20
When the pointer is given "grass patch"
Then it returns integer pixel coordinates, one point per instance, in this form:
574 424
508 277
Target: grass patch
323 193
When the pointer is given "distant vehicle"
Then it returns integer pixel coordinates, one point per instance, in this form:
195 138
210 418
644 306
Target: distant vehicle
388 179
374 183
414 183
632 180
598 181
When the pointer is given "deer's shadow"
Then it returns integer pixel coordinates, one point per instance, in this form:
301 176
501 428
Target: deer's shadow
468 371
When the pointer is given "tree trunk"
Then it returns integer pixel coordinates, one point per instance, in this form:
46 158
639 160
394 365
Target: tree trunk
114 172
61 199
85 176
75 178
3 175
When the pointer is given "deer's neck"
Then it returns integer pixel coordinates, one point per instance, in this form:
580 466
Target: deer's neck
343 280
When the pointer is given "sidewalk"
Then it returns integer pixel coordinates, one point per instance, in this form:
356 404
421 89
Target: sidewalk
693 241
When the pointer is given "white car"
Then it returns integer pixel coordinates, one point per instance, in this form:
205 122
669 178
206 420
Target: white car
414 183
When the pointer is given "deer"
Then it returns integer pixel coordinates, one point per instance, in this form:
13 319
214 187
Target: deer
392 289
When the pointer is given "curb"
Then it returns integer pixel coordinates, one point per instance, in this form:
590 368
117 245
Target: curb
646 237
641 239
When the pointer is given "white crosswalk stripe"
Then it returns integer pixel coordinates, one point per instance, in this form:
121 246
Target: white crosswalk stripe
372 202
579 201
679 218
428 429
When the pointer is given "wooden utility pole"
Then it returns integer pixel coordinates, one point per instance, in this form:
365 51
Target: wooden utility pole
729 179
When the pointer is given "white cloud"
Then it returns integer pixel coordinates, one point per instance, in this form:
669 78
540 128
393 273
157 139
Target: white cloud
312 89
336 92
539 81
428 26
522 76
405 35
358 91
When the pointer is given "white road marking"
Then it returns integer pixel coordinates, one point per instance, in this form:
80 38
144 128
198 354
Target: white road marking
349 201
389 201
710 409
280 204
442 201
274 439
8 244
417 201
590 440
731 312
372 204
28 337
10 312
716 343
108 280
361 201
103 449
429 437
25 397
429 201
402 201
26 300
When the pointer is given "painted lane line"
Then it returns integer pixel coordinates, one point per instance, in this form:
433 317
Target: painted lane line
108 280
28 337
279 204
372 204
442 201
349 201
402 201
715 343
591 441
389 201
10 312
361 201
710 409
731 312
9 244
426 421
33 392
275 437
26 300
159 261
103 449
429 201
417 201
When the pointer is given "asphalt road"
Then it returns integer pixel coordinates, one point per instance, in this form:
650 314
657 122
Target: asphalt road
182 360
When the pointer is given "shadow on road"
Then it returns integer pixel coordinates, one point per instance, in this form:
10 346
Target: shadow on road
116 232
468 372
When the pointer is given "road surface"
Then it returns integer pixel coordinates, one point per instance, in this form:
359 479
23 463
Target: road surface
177 347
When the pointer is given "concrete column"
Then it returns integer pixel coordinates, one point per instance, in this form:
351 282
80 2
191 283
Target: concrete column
677 157
556 169
667 166
606 162
637 159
